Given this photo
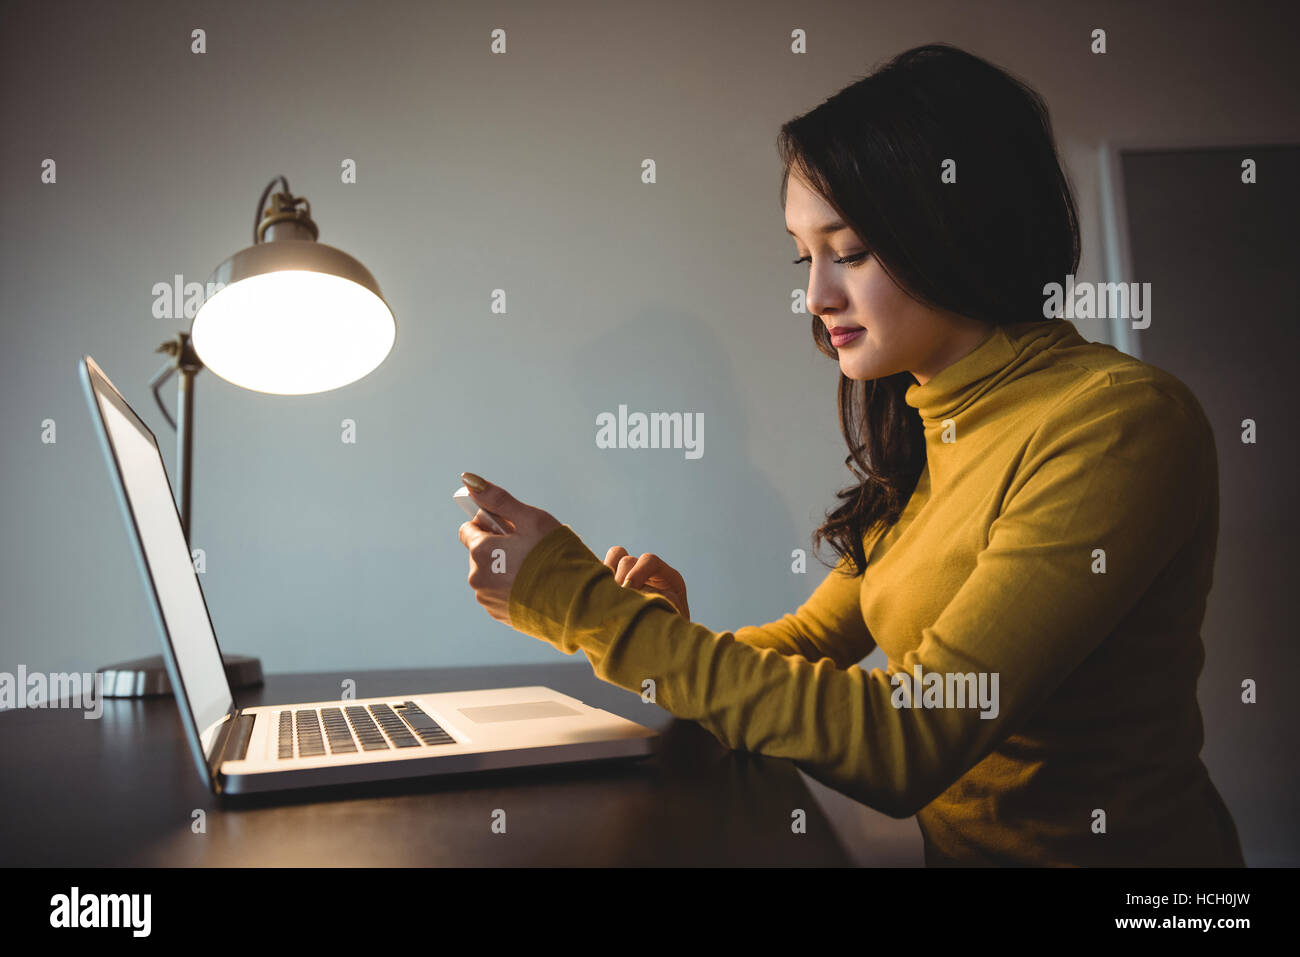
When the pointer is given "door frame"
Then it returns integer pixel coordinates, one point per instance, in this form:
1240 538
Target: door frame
1117 260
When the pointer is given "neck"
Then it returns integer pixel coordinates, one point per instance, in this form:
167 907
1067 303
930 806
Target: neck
967 336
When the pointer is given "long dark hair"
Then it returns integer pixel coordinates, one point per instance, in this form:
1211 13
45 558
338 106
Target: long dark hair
982 247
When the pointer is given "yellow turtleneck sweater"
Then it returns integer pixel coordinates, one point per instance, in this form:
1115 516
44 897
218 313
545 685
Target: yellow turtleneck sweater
1057 552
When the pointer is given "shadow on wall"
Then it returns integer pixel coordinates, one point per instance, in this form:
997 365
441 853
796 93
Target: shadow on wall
715 518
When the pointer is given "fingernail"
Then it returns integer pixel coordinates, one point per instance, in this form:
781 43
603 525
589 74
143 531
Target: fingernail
473 482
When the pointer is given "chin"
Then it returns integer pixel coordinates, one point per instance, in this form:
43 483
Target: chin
858 371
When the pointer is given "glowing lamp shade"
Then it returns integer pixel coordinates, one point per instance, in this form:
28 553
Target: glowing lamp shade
293 317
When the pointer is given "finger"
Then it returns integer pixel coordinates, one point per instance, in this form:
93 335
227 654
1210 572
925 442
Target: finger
472 535
466 533
485 521
614 555
493 498
624 566
642 569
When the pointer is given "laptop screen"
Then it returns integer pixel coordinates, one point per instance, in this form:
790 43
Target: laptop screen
157 526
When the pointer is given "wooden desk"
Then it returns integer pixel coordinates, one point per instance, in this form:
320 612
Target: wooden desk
121 790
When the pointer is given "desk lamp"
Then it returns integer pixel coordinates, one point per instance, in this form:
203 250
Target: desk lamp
288 316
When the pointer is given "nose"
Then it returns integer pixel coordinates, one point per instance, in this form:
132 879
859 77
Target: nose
824 298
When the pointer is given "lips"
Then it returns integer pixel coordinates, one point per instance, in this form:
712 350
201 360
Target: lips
842 335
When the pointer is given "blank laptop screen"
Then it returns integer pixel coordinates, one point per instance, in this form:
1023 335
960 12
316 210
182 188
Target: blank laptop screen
168 557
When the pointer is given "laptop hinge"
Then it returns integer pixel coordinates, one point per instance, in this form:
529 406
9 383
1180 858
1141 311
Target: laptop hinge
237 740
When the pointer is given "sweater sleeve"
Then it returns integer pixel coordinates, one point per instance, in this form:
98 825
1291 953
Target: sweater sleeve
1119 468
828 625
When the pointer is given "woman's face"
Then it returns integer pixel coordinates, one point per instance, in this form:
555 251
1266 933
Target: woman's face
896 332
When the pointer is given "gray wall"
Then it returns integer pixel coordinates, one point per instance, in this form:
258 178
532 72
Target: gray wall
518 171
1223 256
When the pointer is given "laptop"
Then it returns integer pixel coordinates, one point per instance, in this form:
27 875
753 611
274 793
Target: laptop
241 750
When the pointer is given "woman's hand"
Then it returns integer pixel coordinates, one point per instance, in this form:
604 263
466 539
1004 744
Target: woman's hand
651 574
492 574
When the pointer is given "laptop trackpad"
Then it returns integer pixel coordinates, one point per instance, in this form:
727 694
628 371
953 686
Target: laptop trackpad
517 712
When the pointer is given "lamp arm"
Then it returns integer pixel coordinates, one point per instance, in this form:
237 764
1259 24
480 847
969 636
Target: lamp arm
187 363
156 383
261 205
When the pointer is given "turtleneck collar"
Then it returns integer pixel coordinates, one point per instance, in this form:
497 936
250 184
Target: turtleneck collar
998 358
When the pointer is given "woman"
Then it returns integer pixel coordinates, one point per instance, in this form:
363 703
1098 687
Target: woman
1030 537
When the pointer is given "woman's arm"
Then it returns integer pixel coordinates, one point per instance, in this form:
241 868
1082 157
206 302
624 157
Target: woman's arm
828 625
1123 468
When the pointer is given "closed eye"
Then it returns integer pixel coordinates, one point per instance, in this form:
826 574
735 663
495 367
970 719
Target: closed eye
847 260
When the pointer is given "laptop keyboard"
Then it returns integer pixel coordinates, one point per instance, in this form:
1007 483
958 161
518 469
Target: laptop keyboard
321 731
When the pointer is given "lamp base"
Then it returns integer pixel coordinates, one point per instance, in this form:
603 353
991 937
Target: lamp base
144 677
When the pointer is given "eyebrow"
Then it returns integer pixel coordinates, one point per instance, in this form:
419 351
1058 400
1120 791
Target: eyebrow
832 227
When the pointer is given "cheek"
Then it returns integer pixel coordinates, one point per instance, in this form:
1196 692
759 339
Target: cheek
880 302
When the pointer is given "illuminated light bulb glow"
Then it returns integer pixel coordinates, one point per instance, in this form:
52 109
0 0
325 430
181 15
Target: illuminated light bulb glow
293 332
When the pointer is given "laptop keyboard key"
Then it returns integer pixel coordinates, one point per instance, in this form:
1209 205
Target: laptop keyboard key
367 732
429 731
286 735
336 729
345 728
310 744
393 727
